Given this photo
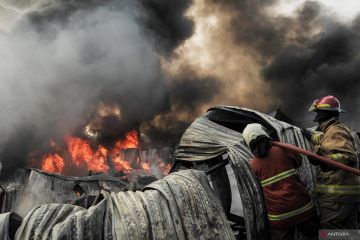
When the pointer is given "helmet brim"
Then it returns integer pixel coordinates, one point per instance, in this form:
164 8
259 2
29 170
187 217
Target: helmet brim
329 110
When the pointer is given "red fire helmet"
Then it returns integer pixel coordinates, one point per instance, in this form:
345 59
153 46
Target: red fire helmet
327 103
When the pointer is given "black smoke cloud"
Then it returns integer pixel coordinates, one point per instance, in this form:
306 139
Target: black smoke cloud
163 21
328 64
302 57
253 28
166 19
65 56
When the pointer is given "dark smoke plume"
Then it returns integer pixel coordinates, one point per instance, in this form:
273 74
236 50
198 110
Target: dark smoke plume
63 57
163 20
302 57
252 27
328 64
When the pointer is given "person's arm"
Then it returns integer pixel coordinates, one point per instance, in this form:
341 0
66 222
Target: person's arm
336 146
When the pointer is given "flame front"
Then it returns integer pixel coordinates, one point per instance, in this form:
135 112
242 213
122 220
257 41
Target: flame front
52 163
82 153
98 159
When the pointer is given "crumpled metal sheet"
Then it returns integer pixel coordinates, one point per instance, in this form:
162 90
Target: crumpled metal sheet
33 187
205 140
180 206
4 226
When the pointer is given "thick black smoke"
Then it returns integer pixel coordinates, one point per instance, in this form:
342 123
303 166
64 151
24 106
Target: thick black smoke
328 64
64 57
303 57
164 21
252 27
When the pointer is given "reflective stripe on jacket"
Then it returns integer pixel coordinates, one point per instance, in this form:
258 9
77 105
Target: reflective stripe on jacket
338 189
278 177
293 213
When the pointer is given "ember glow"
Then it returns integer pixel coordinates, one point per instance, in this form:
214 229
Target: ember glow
79 153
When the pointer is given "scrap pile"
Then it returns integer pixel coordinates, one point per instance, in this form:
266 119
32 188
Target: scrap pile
180 206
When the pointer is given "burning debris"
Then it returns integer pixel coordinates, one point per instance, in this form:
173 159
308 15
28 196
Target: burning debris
212 144
230 194
100 147
80 156
96 70
114 66
103 90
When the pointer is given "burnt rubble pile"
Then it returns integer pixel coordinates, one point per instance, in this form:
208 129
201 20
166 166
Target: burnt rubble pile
181 205
210 192
31 187
28 188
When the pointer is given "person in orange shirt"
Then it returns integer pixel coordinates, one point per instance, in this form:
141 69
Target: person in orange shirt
288 203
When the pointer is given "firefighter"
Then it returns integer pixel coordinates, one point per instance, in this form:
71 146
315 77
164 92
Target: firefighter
338 192
288 203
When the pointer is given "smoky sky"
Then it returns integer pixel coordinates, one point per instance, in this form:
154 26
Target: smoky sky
61 57
163 20
263 34
327 64
302 57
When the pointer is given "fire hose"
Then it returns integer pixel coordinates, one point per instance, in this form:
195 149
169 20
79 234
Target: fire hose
325 160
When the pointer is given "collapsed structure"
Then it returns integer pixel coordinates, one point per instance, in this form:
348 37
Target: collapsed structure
178 206
222 199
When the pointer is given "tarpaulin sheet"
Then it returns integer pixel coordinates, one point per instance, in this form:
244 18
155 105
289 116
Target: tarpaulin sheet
180 206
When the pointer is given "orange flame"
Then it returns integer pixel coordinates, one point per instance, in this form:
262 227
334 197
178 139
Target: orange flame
52 163
77 194
97 160
131 141
82 153
145 166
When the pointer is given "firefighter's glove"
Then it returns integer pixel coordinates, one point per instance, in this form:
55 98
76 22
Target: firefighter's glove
314 136
317 137
339 157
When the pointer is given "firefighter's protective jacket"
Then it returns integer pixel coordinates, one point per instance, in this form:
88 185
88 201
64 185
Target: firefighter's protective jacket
333 184
287 200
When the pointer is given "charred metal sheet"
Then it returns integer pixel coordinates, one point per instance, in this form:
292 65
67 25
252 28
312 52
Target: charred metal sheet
180 206
32 187
4 226
218 132
9 223
204 140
